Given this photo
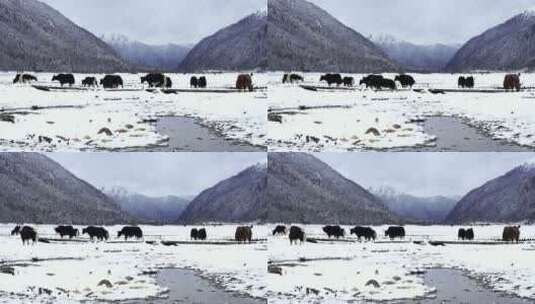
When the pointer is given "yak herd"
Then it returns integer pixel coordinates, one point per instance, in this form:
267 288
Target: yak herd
379 82
510 233
244 82
245 233
27 233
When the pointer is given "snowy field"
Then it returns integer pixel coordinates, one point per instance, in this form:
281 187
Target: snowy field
343 127
238 268
342 270
73 119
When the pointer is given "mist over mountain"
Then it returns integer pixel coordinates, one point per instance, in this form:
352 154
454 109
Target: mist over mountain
303 189
37 37
240 46
160 210
507 46
36 189
416 57
240 198
148 57
508 198
432 209
304 37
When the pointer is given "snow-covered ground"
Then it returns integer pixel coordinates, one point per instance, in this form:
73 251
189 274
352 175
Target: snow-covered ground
508 268
73 119
238 268
343 126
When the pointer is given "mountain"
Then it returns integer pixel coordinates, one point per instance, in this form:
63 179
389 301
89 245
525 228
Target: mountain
304 37
161 210
508 46
508 198
240 198
240 46
303 189
36 189
425 209
416 57
148 57
37 37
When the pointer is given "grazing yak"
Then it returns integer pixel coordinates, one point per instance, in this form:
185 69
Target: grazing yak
332 79
111 81
194 82
16 230
335 231
27 233
405 80
280 229
244 82
349 81
244 234
291 78
154 80
466 82
465 234
90 82
64 79
96 232
198 234
130 232
372 81
69 231
395 232
366 232
511 234
24 78
296 234
511 82
168 82
202 82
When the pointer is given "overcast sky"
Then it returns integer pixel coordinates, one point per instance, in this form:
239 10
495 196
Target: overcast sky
425 174
157 174
157 22
424 21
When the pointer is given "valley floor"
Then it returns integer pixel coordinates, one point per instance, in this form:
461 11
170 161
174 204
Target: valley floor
361 119
33 120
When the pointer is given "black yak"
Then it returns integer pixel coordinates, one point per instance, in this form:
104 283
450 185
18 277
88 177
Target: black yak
366 232
69 231
202 82
461 234
349 81
332 79
194 234
466 82
16 230
296 234
194 82
154 80
243 234
90 82
244 82
27 233
24 78
202 234
405 80
469 234
512 82
291 78
96 232
168 82
335 231
64 79
280 229
372 81
111 81
395 232
511 234
130 232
